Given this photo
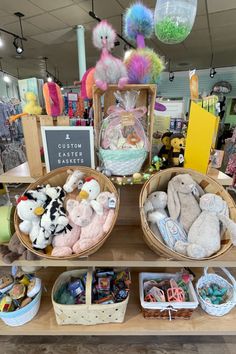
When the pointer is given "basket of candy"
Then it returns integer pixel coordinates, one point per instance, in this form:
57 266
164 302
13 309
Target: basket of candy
123 144
216 295
167 296
20 298
89 297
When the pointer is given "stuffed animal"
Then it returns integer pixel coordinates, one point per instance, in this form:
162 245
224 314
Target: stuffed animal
15 250
176 155
90 191
156 202
53 99
183 206
31 107
165 149
143 64
108 70
204 237
74 180
100 224
29 211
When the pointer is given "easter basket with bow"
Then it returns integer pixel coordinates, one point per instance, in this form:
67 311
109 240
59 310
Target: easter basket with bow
123 144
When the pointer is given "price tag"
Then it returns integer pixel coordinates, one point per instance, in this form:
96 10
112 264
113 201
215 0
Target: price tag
181 158
127 119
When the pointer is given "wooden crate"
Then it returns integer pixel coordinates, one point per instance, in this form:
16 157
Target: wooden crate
146 98
33 139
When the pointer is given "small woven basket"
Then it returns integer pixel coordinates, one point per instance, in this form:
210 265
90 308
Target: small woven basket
123 162
24 315
159 182
58 178
166 310
209 278
86 314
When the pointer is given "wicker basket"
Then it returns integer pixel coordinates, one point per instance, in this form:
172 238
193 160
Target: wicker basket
57 178
166 310
159 181
123 162
87 314
208 278
24 315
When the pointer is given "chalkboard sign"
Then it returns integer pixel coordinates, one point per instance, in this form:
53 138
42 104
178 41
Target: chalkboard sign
68 146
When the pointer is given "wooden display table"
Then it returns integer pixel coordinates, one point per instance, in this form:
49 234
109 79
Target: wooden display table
21 174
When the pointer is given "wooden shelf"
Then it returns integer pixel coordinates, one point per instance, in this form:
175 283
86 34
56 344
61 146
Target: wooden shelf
199 324
126 248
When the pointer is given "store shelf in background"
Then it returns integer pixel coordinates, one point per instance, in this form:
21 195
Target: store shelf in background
21 174
199 324
126 248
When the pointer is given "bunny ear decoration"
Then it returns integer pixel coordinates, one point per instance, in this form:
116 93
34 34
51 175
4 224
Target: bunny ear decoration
198 192
173 201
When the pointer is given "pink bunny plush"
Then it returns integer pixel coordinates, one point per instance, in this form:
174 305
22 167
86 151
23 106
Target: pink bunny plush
100 224
80 214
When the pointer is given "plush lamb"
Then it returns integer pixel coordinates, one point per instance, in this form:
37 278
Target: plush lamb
74 180
204 237
183 194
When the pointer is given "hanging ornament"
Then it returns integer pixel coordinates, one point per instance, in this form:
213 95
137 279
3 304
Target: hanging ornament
173 20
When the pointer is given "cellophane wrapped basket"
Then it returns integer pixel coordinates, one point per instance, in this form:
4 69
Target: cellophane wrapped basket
210 278
123 144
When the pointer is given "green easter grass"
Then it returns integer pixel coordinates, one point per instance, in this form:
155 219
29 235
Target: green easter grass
168 31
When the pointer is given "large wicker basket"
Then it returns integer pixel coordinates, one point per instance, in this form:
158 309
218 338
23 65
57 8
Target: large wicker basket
57 178
159 181
88 313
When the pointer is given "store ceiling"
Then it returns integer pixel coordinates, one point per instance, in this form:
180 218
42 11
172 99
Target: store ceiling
49 28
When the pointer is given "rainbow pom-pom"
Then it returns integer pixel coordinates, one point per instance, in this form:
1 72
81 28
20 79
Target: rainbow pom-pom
144 66
138 20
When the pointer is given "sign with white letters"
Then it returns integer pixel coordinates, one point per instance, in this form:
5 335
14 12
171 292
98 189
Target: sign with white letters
68 146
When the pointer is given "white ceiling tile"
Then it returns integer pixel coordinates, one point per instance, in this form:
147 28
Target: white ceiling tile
219 5
47 22
200 23
49 5
101 9
221 19
55 37
201 7
24 6
72 15
127 3
28 28
8 19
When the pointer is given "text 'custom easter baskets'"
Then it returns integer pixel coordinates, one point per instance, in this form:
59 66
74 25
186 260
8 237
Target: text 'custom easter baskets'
166 310
211 278
56 178
159 182
123 144
88 313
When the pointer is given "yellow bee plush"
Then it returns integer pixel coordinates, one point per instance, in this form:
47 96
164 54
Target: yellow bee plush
176 156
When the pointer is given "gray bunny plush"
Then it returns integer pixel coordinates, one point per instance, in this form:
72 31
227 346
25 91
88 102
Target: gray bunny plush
183 200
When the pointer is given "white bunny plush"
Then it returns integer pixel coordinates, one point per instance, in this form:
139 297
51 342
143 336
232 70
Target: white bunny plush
155 203
183 194
204 238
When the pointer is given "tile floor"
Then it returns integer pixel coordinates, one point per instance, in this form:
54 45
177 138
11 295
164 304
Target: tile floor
119 345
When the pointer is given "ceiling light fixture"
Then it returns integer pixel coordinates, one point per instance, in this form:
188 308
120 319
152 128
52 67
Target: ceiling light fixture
1 41
212 72
49 79
18 45
6 78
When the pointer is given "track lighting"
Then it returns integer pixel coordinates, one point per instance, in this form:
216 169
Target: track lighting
49 79
212 72
171 76
18 45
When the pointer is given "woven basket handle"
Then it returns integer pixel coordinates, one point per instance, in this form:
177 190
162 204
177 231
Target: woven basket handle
88 291
229 275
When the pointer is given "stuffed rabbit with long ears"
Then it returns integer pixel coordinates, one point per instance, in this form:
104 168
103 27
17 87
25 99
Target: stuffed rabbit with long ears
183 193
204 238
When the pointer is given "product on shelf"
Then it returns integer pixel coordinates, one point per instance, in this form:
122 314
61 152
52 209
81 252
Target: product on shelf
31 107
53 99
174 20
70 219
19 300
91 297
167 296
199 221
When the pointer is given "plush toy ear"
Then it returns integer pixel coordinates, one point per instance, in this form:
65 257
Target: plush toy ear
173 201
